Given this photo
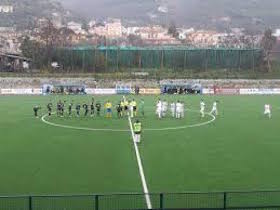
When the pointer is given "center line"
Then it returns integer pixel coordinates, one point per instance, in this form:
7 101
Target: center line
141 170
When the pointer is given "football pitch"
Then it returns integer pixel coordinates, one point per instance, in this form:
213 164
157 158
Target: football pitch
239 150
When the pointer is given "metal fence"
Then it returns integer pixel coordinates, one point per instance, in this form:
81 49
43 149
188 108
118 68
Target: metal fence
215 200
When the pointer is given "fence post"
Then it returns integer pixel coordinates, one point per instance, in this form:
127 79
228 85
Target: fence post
96 202
30 203
225 200
161 201
161 60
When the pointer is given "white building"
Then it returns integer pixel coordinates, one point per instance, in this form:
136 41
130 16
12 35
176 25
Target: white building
114 28
152 32
131 30
155 35
92 23
6 9
56 20
183 32
76 27
111 29
277 33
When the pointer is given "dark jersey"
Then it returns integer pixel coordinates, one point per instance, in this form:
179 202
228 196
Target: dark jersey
85 106
36 109
78 107
119 108
70 107
98 107
49 107
62 106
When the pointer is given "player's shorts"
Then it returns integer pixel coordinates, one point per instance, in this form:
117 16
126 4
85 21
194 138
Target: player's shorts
137 133
134 108
267 112
125 108
109 110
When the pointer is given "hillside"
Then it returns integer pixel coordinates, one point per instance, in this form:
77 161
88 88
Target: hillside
199 13
26 12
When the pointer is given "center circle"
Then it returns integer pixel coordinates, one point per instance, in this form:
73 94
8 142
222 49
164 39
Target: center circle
124 121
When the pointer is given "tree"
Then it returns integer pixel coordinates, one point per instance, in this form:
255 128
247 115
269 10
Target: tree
66 36
49 34
135 40
267 43
85 26
172 30
50 37
33 50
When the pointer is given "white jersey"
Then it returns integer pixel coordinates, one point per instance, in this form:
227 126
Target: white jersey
159 105
182 109
267 108
173 107
164 106
178 107
202 106
214 106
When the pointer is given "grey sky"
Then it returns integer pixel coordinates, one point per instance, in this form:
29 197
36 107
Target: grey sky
181 11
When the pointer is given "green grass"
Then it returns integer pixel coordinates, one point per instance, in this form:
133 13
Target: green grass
238 152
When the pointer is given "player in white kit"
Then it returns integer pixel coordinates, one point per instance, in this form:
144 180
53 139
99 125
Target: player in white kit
202 108
164 108
182 110
179 109
214 109
267 110
173 109
159 109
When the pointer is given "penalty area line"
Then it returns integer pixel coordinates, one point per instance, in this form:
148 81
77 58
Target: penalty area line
140 167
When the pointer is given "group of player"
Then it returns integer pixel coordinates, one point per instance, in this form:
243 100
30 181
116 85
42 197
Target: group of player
64 109
123 108
129 108
177 109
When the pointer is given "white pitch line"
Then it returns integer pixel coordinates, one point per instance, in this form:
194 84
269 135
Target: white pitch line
119 130
187 126
140 166
79 128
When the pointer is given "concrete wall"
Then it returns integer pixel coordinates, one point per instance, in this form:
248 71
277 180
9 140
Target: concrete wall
14 82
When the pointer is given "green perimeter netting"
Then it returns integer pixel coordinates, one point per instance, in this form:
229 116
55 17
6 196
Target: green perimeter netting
114 58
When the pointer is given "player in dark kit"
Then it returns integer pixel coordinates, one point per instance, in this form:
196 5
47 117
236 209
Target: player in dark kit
92 108
78 108
70 109
85 106
36 109
49 107
62 108
58 108
119 110
98 108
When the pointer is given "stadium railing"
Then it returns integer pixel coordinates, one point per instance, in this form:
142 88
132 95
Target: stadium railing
215 200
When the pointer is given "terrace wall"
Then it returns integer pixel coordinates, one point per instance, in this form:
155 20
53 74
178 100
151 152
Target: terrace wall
13 82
